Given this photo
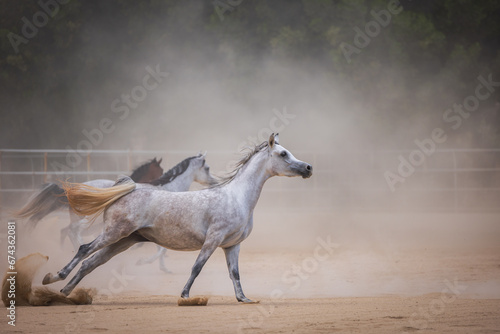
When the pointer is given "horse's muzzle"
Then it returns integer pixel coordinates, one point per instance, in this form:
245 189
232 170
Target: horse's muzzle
306 171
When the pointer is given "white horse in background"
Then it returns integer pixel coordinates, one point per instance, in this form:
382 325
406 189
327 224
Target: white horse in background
51 197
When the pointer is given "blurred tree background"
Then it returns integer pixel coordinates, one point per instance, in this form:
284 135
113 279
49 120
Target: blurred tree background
427 58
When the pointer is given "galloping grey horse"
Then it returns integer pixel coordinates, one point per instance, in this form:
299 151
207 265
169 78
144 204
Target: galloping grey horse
221 216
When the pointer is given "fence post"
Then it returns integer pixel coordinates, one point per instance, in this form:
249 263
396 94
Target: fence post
88 166
45 167
129 163
33 176
455 190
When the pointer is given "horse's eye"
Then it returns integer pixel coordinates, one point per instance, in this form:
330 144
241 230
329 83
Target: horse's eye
283 154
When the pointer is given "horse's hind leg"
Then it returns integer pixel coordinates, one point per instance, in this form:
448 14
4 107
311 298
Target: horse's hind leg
101 257
160 255
64 234
103 240
72 231
83 252
75 231
76 224
163 255
150 259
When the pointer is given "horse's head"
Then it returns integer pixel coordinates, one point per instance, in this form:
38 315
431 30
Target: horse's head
147 172
283 163
155 170
201 169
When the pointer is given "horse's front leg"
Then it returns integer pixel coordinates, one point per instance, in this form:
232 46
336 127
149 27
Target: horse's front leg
232 254
210 245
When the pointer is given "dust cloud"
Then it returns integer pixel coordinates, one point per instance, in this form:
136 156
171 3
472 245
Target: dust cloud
385 242
18 288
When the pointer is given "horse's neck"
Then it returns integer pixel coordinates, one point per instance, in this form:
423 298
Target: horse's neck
247 184
181 183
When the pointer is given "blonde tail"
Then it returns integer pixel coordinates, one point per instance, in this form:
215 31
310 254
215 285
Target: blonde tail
86 200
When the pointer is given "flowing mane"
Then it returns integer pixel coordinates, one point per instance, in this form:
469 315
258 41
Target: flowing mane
172 173
239 165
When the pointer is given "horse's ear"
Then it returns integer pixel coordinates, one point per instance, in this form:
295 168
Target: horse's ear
277 139
271 140
159 161
154 159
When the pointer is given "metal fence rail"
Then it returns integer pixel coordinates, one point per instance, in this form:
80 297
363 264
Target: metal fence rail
451 180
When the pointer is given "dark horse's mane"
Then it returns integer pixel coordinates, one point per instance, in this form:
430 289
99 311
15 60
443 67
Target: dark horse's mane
239 165
141 170
172 173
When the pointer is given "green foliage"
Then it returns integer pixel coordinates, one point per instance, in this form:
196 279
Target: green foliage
427 54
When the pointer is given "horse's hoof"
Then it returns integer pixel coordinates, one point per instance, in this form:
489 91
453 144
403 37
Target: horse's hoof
64 292
165 270
249 301
49 278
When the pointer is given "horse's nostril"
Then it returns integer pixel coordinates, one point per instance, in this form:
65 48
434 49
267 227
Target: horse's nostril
309 168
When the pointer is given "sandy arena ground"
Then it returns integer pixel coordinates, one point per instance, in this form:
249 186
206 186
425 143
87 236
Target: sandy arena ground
320 273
